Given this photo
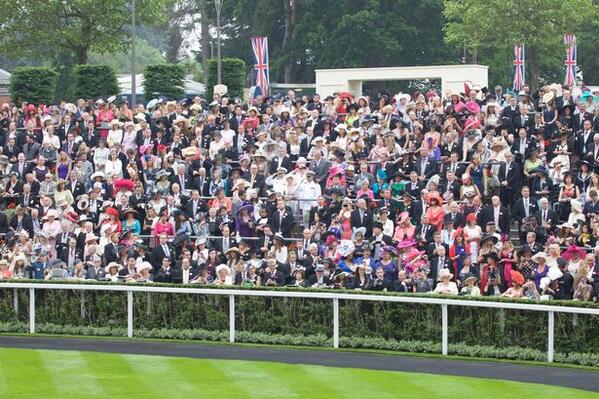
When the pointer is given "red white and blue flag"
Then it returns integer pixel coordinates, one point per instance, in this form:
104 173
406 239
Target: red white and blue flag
519 68
260 49
570 62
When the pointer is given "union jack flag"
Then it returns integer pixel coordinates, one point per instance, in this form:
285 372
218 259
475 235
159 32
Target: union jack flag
570 61
260 49
519 68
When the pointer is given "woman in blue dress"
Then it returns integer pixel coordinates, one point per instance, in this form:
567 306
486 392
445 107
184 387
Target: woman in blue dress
387 263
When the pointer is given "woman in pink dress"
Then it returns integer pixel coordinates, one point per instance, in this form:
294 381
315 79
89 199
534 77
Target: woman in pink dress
163 225
346 221
405 230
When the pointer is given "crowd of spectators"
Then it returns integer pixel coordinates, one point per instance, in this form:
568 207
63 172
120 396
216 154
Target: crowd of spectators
479 192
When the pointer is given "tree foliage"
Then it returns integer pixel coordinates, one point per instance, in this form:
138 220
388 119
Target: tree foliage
164 80
145 54
343 33
493 27
233 76
33 84
34 29
94 81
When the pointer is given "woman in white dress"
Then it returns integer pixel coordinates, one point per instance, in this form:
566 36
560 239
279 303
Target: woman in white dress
472 235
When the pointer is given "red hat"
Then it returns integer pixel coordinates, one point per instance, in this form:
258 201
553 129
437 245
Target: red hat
517 277
30 108
331 239
72 216
471 217
161 148
112 211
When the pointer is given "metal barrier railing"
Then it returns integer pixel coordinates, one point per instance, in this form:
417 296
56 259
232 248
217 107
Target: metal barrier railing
333 296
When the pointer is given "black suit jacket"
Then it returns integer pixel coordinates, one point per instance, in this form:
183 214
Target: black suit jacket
519 211
366 221
513 177
158 255
285 163
582 145
428 171
425 236
111 254
551 218
284 226
65 252
504 218
434 263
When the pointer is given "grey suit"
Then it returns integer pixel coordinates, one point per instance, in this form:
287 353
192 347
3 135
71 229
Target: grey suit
92 274
320 169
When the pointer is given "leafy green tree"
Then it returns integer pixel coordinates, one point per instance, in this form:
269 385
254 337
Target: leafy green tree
33 29
495 26
145 53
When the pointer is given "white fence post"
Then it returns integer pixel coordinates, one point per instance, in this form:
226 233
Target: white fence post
231 318
336 323
31 310
444 328
15 303
550 332
130 313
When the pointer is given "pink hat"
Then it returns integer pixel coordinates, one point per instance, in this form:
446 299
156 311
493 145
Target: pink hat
472 107
145 147
471 124
573 250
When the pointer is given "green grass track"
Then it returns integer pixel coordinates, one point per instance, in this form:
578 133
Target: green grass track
48 374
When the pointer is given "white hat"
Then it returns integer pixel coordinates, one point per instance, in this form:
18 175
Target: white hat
223 267
111 265
143 266
116 122
540 255
576 205
445 273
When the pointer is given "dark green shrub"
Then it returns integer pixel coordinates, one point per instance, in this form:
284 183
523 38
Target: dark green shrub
164 80
233 76
94 81
33 84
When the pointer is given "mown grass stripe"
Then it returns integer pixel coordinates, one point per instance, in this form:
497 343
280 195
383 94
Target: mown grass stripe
118 379
25 374
209 380
257 381
65 369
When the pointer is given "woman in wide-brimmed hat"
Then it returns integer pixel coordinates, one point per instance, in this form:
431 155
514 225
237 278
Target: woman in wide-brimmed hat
445 285
435 211
131 221
574 255
405 230
469 287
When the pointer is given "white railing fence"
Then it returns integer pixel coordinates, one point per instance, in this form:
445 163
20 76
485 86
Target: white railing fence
334 296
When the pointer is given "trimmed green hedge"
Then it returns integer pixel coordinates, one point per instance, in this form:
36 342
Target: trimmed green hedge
480 332
94 81
233 76
164 80
33 84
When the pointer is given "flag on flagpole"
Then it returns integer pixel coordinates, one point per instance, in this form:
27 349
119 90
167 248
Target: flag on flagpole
519 68
260 50
570 61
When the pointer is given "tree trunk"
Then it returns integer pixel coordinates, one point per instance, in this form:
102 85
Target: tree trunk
204 37
81 55
291 14
174 43
533 63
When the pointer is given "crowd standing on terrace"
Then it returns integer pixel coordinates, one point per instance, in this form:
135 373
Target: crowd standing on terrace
479 192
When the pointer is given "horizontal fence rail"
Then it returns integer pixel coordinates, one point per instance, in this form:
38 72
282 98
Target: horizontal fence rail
333 296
